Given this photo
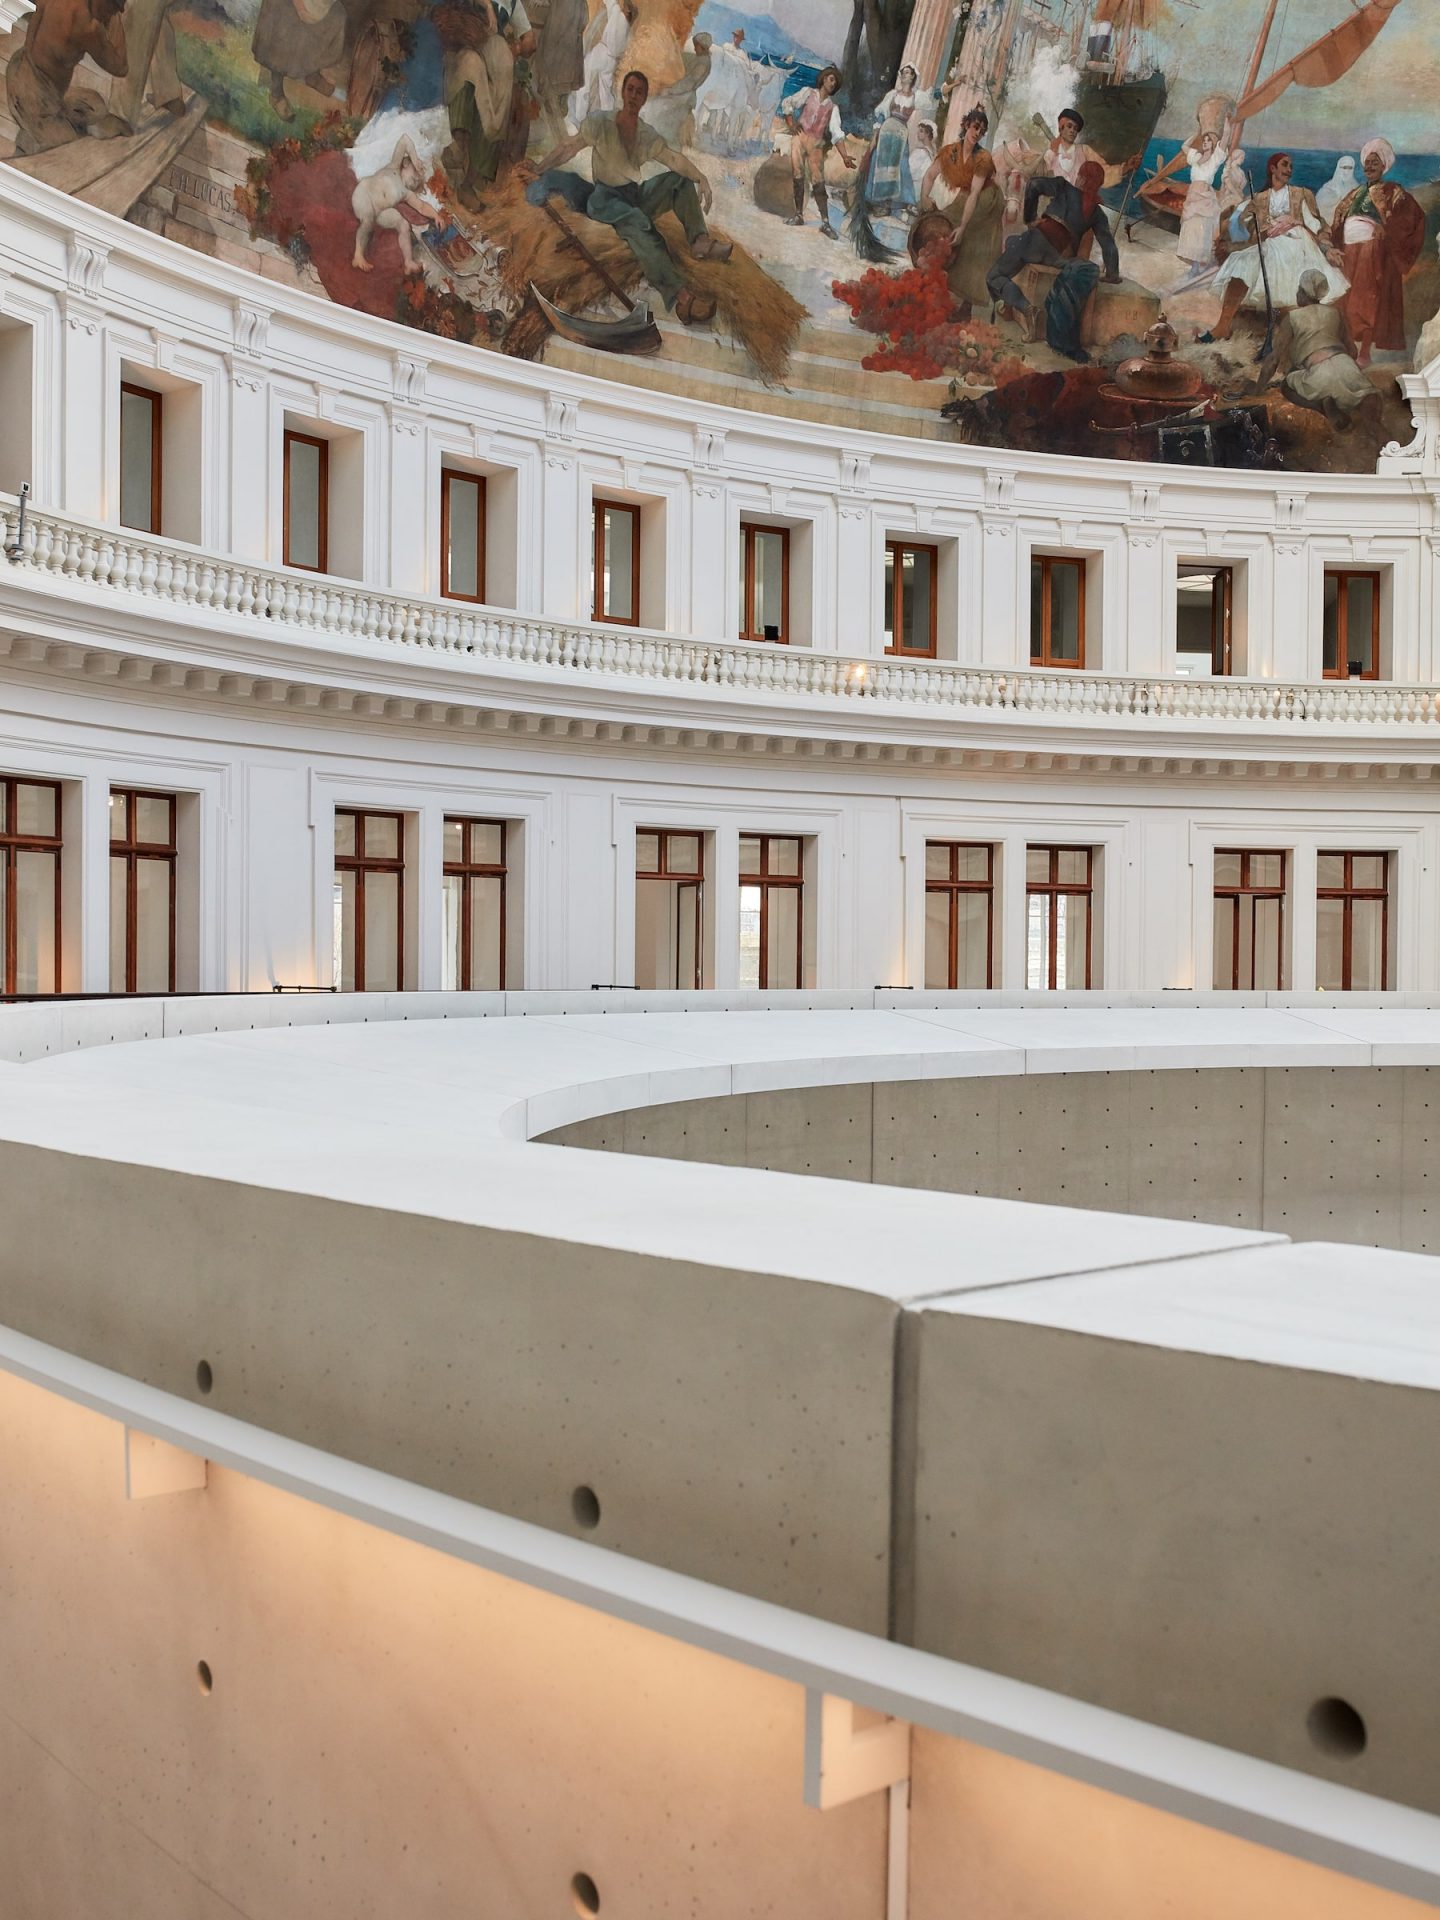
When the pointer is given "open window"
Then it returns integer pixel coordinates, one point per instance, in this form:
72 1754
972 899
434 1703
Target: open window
1057 611
617 554
142 458
1205 620
462 534
912 599
1351 625
764 582
307 502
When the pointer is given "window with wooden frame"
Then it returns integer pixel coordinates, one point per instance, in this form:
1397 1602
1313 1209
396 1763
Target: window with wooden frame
764 583
143 863
462 535
369 901
616 590
1059 916
1351 625
29 885
669 909
474 892
1204 619
307 502
772 910
1249 936
1057 611
142 492
912 599
1352 922
959 914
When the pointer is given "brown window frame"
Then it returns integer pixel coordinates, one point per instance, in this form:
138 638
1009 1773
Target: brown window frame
600 505
748 531
1051 889
1349 893
467 869
1245 890
663 837
133 850
323 513
765 880
157 452
360 863
894 549
12 844
1342 577
447 474
1047 563
954 887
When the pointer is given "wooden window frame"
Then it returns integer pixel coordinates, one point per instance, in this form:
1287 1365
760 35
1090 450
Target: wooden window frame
12 844
1245 889
765 880
1349 893
292 436
600 505
748 531
466 869
360 864
1047 562
662 871
1051 889
447 474
954 886
157 452
133 850
1342 576
894 550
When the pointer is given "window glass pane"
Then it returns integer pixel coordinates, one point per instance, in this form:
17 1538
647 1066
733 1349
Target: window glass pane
1220 600
35 810
1194 611
1065 578
152 926
890 596
937 939
974 862
1331 625
462 573
769 562
1330 870
303 532
1268 957
655 934
1037 611
1359 623
1330 945
916 583
137 457
1227 869
1267 869
784 856
687 934
749 853
1037 863
647 853
4 807
452 894
1074 865
1072 920
1223 975
118 925
617 581
382 948
937 859
1367 869
1037 940
487 893
382 838
682 852
454 843
35 877
1366 934
487 843
344 832
345 931
117 816
749 975
153 817
783 928
973 939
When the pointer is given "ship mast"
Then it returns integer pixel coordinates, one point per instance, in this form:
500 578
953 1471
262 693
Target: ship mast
1253 75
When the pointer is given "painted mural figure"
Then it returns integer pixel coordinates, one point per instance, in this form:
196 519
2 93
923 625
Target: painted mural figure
482 41
962 185
1286 223
298 40
605 42
1312 355
1380 229
1074 218
47 112
380 199
815 126
889 180
671 111
628 199
150 62
1200 220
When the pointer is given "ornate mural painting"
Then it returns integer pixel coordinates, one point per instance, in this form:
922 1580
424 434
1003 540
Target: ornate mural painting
1197 231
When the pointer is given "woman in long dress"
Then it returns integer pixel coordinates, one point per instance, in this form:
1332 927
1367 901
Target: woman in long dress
1200 216
889 183
1282 229
961 184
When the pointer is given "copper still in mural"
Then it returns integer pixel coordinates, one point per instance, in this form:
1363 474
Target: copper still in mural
1145 229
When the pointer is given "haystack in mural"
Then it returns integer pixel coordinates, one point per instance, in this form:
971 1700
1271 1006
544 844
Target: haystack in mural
1193 231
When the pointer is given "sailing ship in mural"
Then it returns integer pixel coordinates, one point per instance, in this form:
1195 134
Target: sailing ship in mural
1191 231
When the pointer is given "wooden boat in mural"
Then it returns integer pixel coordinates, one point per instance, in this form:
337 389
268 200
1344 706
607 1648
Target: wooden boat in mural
1122 91
1321 64
112 174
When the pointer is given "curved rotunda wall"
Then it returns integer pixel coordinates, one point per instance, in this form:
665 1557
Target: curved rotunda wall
1316 1153
424 167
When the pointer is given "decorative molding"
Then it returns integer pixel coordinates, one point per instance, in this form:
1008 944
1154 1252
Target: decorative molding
999 490
709 447
707 490
252 331
1145 499
1290 510
80 316
85 262
854 510
560 462
562 417
924 519
408 379
403 420
855 472
997 529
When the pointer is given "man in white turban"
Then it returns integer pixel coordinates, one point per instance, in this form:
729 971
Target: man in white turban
1380 229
